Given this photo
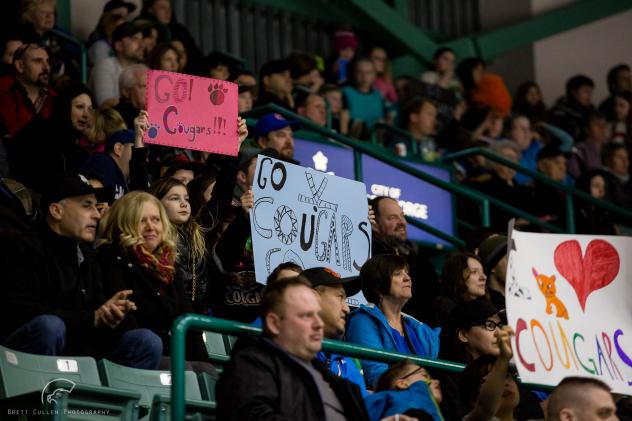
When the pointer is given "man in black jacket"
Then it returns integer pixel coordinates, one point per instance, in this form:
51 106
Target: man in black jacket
53 295
276 375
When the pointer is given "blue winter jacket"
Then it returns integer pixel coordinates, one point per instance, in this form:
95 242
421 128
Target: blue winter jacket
390 402
368 327
344 367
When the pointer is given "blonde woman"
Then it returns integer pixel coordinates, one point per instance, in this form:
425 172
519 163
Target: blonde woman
139 254
191 247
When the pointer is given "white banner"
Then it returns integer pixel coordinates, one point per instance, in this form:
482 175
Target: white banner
569 300
309 218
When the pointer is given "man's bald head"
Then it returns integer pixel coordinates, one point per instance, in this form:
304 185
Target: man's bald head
581 399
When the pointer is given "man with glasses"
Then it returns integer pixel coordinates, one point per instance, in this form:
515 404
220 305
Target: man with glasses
25 95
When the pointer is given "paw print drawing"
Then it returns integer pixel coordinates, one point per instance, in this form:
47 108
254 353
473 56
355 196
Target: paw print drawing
152 132
217 91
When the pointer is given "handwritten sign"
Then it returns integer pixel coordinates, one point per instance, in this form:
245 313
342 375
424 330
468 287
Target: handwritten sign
569 301
191 112
309 218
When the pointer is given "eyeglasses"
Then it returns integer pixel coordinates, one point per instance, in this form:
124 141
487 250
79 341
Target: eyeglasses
417 370
490 324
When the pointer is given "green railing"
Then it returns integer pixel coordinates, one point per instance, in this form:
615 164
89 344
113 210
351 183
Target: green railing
186 322
195 321
83 53
569 192
363 147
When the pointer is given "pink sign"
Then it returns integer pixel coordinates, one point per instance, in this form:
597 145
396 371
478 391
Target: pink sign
192 112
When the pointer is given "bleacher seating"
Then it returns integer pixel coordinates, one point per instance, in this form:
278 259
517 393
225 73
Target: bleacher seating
64 387
154 388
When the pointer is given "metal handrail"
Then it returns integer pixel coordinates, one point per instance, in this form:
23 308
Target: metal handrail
185 322
364 148
569 191
83 52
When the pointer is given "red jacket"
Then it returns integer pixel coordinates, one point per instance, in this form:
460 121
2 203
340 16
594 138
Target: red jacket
16 109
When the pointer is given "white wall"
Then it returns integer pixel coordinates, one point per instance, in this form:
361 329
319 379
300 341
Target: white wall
591 49
85 15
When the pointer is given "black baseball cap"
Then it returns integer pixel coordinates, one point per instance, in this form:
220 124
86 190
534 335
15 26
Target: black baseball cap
124 30
115 4
70 186
327 277
472 313
272 67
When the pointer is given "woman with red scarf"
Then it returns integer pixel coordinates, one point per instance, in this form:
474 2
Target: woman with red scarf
139 253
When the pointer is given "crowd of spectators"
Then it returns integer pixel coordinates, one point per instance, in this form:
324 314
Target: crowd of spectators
105 241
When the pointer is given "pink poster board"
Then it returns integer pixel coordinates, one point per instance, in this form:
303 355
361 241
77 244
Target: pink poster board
192 112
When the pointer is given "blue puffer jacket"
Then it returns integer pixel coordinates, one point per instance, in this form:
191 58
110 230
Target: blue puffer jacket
368 327
390 402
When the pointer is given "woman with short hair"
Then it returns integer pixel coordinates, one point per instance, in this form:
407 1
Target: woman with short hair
382 325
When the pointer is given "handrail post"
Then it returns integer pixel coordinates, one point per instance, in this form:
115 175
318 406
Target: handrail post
485 213
178 352
570 213
357 167
84 63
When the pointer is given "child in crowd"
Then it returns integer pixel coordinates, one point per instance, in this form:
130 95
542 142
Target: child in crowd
366 105
339 113
405 388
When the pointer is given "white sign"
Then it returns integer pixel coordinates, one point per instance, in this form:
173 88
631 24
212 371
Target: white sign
569 301
309 218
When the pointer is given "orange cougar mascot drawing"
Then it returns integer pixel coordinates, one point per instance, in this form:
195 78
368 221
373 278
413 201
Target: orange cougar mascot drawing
547 286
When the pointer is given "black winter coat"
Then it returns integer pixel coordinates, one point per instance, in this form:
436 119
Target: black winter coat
262 382
41 274
157 305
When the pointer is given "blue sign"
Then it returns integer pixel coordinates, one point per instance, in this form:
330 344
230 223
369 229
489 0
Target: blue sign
332 159
426 202
430 204
309 218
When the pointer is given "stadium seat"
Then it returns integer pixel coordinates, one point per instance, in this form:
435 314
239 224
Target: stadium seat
154 387
62 387
207 386
218 347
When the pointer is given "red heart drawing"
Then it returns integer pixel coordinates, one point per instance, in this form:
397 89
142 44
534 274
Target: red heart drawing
597 269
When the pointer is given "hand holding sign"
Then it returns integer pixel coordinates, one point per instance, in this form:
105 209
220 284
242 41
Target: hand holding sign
192 112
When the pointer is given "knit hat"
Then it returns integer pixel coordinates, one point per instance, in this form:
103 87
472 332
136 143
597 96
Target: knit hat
491 251
472 313
344 39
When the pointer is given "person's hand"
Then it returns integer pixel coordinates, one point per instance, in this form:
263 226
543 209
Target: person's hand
503 339
247 201
113 311
372 219
141 124
242 130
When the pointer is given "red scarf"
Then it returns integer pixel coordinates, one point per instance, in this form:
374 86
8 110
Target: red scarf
159 264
